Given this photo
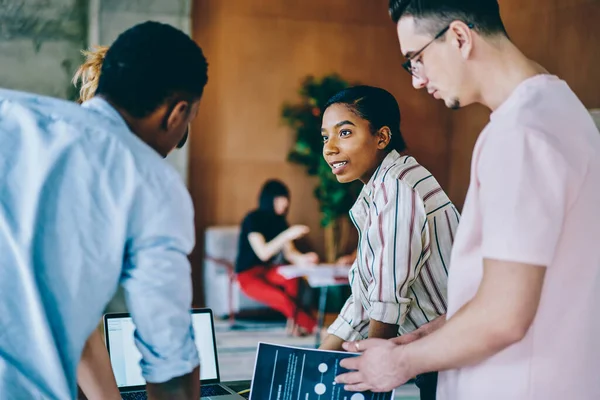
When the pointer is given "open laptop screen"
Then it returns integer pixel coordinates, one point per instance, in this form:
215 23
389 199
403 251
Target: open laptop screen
125 357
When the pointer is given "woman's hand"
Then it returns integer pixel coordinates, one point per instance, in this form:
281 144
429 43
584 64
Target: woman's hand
348 259
307 259
311 258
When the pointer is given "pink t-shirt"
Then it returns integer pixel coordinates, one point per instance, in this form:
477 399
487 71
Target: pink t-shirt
534 198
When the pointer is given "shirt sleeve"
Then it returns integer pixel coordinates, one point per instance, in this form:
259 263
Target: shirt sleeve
399 258
157 281
352 322
523 186
252 224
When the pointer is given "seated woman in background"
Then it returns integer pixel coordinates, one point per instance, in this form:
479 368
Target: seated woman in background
266 241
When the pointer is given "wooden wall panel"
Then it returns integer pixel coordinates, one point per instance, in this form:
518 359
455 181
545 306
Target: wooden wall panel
258 53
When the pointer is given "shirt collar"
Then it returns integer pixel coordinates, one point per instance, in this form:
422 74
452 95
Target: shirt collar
387 162
101 106
365 198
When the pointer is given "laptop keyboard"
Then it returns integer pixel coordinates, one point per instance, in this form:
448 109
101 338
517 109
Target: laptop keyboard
212 390
205 391
134 396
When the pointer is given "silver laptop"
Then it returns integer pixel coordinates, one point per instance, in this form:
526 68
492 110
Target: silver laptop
125 357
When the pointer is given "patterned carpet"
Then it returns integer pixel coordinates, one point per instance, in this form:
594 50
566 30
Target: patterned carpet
237 350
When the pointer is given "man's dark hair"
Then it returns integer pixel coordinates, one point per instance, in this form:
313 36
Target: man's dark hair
432 16
376 105
148 64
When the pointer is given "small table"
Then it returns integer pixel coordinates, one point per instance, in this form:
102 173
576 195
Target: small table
321 277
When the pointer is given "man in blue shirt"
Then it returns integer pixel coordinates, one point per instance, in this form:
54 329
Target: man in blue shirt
87 202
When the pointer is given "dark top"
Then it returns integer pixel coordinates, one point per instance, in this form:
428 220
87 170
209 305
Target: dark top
267 224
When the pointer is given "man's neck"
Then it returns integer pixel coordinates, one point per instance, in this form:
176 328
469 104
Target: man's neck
141 127
502 69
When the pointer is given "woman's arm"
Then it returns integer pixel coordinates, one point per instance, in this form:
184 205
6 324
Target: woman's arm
94 373
350 325
292 254
332 342
265 250
382 330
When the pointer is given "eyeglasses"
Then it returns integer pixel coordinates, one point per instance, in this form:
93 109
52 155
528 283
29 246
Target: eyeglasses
413 69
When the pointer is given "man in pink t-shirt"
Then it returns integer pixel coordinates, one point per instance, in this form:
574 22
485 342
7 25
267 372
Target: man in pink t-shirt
524 280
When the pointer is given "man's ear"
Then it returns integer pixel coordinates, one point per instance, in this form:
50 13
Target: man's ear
177 115
462 37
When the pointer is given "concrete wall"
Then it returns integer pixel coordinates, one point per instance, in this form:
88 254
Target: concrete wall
114 16
40 41
108 18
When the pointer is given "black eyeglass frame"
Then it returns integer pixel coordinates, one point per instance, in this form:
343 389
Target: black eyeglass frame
407 65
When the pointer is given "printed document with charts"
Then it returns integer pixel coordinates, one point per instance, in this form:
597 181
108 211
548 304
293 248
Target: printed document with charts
295 373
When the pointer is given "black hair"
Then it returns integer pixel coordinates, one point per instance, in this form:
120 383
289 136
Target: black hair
376 105
432 16
270 190
150 63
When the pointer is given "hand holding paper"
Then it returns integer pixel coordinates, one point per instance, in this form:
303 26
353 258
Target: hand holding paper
381 367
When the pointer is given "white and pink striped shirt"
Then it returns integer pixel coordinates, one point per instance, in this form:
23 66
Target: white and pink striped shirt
406 225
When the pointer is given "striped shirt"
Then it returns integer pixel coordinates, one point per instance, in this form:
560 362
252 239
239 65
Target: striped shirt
406 225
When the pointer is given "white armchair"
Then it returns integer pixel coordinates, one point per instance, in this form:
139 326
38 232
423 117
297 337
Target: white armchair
222 293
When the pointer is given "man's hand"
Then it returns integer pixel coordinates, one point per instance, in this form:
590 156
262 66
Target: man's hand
380 368
423 331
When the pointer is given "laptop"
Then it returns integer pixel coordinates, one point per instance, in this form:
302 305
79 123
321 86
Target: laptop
125 357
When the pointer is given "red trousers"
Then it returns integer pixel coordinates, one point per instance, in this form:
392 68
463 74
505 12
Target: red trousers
267 286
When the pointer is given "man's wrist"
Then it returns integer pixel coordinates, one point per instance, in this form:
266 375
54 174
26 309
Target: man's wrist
434 325
407 360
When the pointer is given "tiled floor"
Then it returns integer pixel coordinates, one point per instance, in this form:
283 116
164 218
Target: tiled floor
237 350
